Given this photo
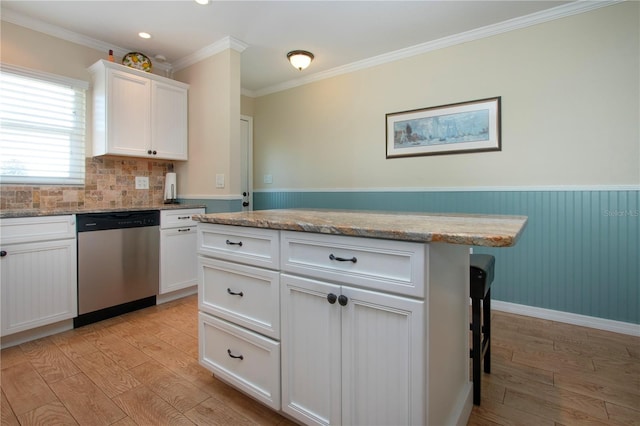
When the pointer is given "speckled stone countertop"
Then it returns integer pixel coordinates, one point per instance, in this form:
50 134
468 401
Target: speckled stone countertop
6 214
467 229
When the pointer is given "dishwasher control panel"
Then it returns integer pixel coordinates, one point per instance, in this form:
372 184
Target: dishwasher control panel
117 220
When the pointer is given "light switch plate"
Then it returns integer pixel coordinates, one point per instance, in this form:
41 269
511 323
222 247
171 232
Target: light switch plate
268 179
142 182
220 181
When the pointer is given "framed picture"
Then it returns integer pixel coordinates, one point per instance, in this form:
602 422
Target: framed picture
447 129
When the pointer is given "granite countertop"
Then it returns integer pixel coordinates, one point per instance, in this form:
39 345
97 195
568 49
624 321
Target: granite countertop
467 229
5 214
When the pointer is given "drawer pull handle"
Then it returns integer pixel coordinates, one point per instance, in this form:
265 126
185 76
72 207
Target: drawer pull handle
332 298
184 217
233 293
240 357
184 230
342 300
342 259
231 243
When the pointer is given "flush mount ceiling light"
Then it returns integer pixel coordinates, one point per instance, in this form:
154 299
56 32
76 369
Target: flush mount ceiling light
144 35
300 59
202 1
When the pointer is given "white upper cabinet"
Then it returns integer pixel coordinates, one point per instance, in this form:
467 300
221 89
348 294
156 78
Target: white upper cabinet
138 114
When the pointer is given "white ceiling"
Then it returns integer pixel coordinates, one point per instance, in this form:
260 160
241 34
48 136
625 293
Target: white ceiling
339 33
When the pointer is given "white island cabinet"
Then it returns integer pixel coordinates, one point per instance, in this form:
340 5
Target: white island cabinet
373 310
138 114
38 264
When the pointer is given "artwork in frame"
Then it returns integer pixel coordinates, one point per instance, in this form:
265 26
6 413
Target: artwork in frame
463 127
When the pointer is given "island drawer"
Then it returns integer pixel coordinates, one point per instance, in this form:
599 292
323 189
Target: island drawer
251 246
245 359
245 295
385 265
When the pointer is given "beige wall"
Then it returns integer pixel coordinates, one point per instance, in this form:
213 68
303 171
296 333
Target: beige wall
214 127
247 106
31 49
570 107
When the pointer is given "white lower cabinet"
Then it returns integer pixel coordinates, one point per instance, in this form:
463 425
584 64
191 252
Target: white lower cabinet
239 303
350 356
178 246
38 272
365 331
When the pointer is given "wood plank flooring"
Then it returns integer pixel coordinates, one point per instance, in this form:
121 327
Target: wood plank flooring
142 369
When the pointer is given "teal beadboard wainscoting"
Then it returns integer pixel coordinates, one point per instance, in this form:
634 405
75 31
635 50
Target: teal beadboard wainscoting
580 251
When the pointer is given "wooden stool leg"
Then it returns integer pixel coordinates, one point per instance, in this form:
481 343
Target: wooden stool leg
476 351
486 316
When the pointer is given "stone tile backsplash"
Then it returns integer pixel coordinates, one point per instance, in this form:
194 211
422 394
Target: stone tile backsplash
109 183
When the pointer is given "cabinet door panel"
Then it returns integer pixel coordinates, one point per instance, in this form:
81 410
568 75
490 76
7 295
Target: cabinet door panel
310 351
383 367
169 121
38 284
178 259
129 114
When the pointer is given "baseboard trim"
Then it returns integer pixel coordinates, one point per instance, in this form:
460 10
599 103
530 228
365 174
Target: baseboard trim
568 318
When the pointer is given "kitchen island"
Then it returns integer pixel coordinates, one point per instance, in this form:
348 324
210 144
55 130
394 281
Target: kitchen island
343 317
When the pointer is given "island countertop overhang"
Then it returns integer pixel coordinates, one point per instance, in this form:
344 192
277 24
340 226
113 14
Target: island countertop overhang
451 228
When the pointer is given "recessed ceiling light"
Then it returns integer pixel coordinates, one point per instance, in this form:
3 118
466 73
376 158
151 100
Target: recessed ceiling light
144 35
202 1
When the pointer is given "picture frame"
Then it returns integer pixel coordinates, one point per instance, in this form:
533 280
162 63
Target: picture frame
458 128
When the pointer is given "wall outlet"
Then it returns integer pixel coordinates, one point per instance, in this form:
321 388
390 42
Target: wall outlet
268 179
142 182
220 181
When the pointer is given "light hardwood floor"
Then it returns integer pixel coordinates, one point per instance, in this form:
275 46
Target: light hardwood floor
141 368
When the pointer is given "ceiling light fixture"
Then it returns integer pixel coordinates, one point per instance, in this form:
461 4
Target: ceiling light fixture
202 1
300 59
144 35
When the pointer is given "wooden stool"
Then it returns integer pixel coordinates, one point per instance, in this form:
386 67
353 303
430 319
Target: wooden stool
481 277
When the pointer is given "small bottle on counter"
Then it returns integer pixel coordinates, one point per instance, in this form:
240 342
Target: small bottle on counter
110 55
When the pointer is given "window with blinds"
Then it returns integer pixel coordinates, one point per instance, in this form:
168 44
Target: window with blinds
42 127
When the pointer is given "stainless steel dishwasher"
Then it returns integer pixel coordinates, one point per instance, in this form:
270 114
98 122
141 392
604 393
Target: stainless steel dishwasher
118 263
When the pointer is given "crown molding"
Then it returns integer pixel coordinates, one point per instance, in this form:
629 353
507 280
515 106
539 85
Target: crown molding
64 34
207 51
559 12
563 11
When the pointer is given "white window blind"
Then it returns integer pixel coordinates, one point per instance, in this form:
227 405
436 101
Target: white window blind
42 127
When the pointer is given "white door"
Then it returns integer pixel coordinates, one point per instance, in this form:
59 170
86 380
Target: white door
383 357
310 351
246 158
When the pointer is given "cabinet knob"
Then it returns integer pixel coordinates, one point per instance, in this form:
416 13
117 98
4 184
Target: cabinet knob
155 152
3 253
332 298
149 152
343 300
245 204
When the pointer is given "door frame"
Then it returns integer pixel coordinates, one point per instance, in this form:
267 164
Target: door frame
248 149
